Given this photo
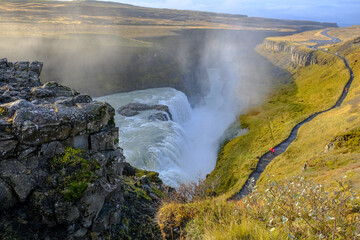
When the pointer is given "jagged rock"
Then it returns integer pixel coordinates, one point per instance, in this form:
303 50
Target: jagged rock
39 125
128 170
66 213
49 150
297 56
7 147
158 116
39 92
48 189
7 198
133 109
16 175
105 140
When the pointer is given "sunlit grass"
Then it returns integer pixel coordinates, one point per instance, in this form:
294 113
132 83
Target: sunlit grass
311 89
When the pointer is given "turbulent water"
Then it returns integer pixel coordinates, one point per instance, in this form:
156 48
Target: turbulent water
185 148
153 145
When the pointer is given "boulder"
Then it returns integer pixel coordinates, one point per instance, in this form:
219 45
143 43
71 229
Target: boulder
133 109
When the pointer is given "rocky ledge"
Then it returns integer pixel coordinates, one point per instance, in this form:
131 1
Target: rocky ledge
133 109
298 55
60 164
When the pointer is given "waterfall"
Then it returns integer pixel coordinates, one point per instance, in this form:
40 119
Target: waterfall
154 145
185 148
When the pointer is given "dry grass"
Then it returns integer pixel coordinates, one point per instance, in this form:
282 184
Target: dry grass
302 37
346 33
312 89
43 18
307 155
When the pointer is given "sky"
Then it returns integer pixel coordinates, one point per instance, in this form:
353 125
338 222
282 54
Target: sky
343 12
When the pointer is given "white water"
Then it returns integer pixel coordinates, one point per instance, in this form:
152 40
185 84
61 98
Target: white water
153 145
183 149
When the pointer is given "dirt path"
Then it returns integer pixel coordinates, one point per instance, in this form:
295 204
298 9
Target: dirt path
279 149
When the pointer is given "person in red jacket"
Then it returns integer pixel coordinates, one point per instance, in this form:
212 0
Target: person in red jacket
272 150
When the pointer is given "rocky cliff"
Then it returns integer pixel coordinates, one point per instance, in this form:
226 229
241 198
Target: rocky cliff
60 164
297 55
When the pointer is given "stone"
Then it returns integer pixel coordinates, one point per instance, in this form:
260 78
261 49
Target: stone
39 92
39 122
49 150
128 170
133 109
39 125
21 66
329 147
105 140
36 67
7 198
82 99
3 63
66 212
158 116
7 148
59 90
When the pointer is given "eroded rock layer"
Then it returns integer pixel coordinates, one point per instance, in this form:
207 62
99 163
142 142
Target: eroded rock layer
60 164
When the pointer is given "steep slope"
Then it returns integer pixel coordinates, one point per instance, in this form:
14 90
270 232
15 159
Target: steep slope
328 147
61 167
326 150
316 82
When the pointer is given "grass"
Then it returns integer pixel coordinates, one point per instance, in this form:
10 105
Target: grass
211 219
307 157
302 37
311 89
322 201
347 33
295 209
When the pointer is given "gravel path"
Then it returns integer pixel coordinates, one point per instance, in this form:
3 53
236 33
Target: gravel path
280 148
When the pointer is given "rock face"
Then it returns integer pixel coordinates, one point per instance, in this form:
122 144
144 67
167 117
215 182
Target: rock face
60 164
133 109
298 56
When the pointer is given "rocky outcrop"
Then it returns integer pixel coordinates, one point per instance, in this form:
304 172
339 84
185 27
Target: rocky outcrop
60 164
133 109
297 55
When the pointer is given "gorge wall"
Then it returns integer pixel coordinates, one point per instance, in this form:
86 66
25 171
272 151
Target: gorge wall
61 167
298 55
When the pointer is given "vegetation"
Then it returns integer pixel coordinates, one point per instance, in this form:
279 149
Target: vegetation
308 90
295 209
75 171
322 201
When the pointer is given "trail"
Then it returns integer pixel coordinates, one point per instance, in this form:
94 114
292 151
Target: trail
280 148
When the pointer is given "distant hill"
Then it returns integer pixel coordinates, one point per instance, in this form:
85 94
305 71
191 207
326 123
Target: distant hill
116 15
107 47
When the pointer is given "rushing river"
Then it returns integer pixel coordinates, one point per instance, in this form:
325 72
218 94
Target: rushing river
185 148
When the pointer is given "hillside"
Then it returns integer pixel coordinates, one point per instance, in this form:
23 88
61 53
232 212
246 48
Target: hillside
286 203
106 47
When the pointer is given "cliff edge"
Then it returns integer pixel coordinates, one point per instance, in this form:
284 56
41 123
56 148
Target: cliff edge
60 164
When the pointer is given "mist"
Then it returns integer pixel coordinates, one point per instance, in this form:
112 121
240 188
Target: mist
238 78
218 70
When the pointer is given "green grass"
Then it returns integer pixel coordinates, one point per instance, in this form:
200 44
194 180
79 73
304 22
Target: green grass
273 214
307 157
310 89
